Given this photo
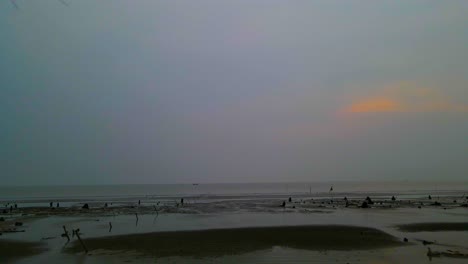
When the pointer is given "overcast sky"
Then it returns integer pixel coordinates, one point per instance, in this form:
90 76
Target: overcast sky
148 91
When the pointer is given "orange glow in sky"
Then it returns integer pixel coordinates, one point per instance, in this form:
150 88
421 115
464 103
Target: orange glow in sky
380 104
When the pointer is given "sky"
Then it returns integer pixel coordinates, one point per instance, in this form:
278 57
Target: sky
181 91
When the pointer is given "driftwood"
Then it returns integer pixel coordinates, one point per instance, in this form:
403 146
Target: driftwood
77 233
65 234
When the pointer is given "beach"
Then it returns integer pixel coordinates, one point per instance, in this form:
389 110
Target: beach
322 227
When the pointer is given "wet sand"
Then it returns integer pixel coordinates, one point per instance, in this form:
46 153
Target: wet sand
219 242
11 250
431 227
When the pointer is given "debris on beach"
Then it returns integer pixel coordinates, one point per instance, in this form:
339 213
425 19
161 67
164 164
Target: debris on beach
12 230
425 242
77 233
48 238
65 234
449 253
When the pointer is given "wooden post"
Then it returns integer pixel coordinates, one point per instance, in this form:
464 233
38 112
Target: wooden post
77 232
65 234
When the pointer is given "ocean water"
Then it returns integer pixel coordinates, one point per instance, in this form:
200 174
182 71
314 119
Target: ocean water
42 194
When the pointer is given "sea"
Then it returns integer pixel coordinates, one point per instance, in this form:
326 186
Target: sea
42 195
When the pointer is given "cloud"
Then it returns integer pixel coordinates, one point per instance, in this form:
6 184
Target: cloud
406 97
377 104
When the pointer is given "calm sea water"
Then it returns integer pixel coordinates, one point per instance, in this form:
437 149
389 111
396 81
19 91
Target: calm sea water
231 190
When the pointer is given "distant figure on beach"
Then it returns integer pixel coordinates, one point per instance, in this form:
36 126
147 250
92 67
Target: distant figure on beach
369 200
284 204
11 208
290 199
16 206
393 198
182 201
58 205
51 204
430 198
139 202
105 205
85 206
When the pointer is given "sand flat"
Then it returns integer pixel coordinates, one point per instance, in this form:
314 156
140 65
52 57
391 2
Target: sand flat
441 226
10 249
219 242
